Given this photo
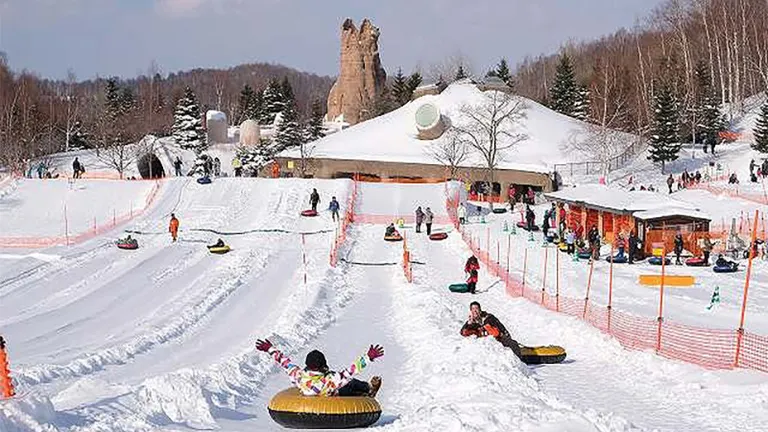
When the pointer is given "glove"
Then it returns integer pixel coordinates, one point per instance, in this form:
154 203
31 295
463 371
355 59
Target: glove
375 351
263 345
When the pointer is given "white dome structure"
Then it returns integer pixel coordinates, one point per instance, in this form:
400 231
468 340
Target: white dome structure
250 133
429 122
216 124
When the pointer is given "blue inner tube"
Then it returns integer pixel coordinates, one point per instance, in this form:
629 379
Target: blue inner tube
657 261
618 259
730 268
204 180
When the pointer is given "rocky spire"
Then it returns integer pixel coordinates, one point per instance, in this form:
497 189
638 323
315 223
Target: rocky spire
361 78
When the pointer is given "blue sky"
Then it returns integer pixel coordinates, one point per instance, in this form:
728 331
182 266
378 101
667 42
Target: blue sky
122 37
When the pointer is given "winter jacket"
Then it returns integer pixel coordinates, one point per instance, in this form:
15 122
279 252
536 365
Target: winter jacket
472 277
236 163
678 245
314 383
632 242
487 324
174 225
706 245
462 212
621 243
594 236
419 216
530 216
314 198
333 206
471 265
428 216
390 231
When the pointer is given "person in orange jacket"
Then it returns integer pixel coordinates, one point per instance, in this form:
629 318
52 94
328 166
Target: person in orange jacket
173 227
481 324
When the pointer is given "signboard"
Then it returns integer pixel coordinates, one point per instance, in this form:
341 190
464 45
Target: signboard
290 164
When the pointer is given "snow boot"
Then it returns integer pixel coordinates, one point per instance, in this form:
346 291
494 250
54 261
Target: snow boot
375 386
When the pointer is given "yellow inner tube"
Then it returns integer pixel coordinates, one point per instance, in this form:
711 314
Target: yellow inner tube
291 409
219 250
542 354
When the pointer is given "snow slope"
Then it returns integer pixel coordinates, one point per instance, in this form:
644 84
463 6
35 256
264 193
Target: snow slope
160 339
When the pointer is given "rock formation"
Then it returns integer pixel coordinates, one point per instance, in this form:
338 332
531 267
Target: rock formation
216 123
250 133
361 78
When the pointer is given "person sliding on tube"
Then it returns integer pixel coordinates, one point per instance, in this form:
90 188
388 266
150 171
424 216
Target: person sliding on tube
314 199
218 244
482 324
316 379
391 230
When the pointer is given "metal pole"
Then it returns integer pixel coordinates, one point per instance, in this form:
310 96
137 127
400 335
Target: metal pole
740 334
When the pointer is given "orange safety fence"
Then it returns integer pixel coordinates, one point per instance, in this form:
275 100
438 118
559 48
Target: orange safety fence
710 348
349 217
6 384
71 239
407 269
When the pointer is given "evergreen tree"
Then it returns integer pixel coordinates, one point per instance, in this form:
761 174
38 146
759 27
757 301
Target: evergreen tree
249 106
272 102
187 125
564 91
707 108
414 81
581 103
664 142
112 100
287 91
383 104
761 130
441 84
126 101
502 72
289 132
314 129
78 140
401 91
460 74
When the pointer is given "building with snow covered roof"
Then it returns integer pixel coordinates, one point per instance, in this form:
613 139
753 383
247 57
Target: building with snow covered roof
655 217
402 144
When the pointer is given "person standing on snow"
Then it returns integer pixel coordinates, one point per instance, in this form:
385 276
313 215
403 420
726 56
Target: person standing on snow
678 248
545 224
237 165
752 166
482 324
216 167
632 247
419 219
314 199
706 248
670 182
173 227
462 213
594 242
76 168
471 268
428 218
177 166
621 245
316 379
530 218
570 240
531 196
334 208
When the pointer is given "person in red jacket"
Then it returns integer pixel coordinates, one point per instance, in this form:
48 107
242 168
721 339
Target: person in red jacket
173 227
471 268
483 324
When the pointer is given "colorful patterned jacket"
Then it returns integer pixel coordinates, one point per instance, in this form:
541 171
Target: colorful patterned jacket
313 383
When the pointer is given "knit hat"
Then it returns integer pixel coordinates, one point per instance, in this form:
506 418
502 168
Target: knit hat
316 361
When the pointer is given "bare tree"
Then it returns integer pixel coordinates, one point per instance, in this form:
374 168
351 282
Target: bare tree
306 150
451 151
117 154
72 99
492 127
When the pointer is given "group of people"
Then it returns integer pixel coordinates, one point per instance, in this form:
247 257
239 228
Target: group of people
762 170
333 206
685 181
317 379
78 169
425 217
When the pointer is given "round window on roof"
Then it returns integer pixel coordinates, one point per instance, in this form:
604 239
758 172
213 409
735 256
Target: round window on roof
427 115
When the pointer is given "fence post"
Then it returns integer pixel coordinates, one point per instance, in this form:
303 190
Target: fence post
557 281
304 256
509 250
525 268
660 318
589 286
740 333
66 225
610 287
544 278
114 218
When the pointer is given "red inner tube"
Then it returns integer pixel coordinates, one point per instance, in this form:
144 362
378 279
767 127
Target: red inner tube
309 213
438 236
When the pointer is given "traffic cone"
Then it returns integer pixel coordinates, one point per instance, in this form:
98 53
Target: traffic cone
715 298
506 226
482 218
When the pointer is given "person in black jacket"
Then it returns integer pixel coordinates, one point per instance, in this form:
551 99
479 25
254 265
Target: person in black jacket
530 218
314 199
483 324
632 247
678 248
594 242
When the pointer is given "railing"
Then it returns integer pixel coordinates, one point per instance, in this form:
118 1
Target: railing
597 167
